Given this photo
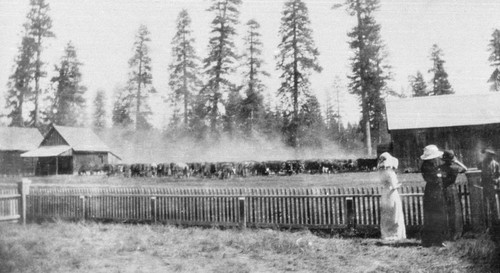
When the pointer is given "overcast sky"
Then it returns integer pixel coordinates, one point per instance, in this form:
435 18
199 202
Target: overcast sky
103 32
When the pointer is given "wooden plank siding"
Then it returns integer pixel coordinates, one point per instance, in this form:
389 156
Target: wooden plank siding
465 141
12 164
261 207
53 138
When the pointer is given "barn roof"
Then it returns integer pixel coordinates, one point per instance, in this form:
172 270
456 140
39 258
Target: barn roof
48 151
443 111
19 139
81 139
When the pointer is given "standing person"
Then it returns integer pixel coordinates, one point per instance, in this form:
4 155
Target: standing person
449 171
490 172
435 223
392 222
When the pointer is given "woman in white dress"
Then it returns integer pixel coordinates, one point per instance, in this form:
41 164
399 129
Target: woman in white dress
392 222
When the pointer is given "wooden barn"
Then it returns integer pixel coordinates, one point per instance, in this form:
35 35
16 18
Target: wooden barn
464 123
69 150
13 142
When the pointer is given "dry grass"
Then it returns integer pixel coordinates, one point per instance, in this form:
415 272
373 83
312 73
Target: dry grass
94 247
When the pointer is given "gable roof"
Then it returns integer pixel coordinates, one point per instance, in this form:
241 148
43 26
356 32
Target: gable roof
48 151
443 111
81 139
19 138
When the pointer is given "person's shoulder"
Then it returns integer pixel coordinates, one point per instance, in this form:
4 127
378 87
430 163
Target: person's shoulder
459 169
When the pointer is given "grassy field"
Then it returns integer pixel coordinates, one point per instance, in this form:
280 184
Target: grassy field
94 247
366 179
98 247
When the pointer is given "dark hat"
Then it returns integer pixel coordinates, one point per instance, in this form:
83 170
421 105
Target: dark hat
489 151
448 155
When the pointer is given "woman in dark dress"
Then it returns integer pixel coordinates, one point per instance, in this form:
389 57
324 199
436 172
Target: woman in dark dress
435 221
449 171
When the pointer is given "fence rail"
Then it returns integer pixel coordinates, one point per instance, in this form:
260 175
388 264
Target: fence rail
312 208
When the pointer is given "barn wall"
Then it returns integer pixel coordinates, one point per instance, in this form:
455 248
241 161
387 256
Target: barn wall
11 163
86 160
53 138
466 142
47 165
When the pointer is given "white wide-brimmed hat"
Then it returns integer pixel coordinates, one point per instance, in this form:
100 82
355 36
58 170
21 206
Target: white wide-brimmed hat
431 152
386 160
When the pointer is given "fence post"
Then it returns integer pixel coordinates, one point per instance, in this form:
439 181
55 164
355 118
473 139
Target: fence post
476 200
82 199
350 211
153 208
243 218
24 189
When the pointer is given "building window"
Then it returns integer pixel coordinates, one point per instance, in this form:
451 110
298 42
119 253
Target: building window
101 157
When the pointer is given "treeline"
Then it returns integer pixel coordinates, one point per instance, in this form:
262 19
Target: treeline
224 93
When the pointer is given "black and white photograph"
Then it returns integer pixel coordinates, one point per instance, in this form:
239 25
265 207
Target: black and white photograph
249 136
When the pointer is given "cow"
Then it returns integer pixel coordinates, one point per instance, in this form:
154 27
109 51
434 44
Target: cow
180 169
89 168
349 165
126 170
225 170
274 167
138 169
287 168
246 168
261 168
154 169
367 164
196 169
312 166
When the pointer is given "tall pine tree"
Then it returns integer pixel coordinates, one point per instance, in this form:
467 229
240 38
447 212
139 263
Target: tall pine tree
297 56
368 71
19 88
494 59
68 101
184 69
221 59
418 85
334 103
440 83
252 106
122 106
140 78
311 129
39 27
99 114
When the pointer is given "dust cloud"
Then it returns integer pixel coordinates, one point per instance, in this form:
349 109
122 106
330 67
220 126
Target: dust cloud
154 147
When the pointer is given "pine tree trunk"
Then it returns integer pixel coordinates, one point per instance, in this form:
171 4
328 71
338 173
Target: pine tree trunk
137 114
37 82
184 71
364 89
295 86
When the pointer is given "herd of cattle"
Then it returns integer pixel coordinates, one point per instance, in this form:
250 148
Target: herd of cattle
224 170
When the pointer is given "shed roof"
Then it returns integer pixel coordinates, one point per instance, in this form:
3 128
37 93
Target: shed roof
19 139
81 139
48 151
443 111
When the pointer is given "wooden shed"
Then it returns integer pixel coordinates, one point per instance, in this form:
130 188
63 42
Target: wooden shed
464 123
13 142
68 150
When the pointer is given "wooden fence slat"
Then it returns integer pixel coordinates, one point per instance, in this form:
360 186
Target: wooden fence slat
271 207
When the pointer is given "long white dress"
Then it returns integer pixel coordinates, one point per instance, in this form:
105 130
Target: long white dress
392 222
